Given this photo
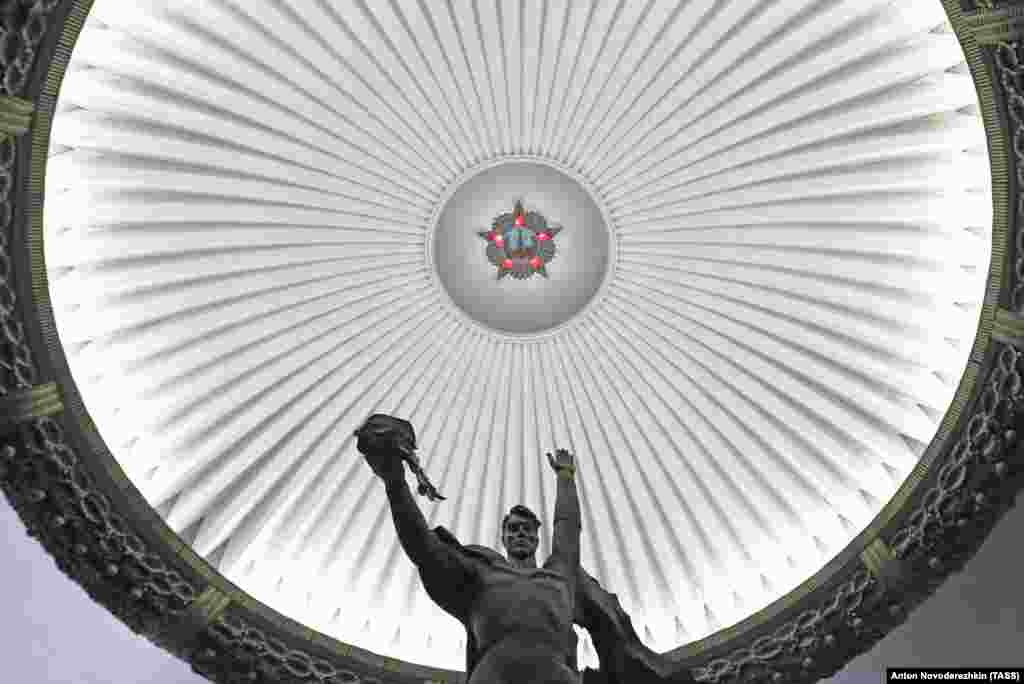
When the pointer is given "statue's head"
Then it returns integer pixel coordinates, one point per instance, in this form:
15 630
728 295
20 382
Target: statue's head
519 532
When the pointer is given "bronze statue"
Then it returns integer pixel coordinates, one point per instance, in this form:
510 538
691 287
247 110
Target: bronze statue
518 616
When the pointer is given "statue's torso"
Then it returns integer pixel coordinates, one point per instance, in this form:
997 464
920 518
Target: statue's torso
522 623
536 601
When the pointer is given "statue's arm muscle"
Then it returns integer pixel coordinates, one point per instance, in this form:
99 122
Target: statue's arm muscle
421 544
565 539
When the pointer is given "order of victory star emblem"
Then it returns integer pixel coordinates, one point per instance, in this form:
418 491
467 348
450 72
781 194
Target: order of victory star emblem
520 243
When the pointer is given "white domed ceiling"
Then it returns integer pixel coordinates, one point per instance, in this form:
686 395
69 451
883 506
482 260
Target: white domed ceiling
267 220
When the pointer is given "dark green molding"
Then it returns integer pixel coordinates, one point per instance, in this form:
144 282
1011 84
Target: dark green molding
72 495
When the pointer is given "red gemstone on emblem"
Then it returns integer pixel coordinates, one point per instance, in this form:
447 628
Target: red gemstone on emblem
519 220
542 236
535 262
507 263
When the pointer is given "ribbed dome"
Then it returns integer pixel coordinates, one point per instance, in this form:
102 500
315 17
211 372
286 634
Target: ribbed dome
242 201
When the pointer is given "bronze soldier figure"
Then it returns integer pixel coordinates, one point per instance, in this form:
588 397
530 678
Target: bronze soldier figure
518 616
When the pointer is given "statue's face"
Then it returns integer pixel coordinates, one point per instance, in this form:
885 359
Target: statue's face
520 537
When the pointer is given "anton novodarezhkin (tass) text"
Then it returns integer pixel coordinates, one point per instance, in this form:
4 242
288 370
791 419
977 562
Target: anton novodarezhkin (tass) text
940 674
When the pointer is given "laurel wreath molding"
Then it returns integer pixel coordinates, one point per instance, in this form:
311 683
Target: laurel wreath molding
75 500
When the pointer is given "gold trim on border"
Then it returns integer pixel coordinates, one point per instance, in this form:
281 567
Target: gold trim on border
990 26
15 115
877 558
999 168
1009 327
41 400
206 608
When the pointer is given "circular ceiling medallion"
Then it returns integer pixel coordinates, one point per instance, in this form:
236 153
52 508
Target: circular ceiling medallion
473 277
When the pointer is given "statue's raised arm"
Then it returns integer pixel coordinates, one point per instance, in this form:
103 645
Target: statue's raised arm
386 442
565 538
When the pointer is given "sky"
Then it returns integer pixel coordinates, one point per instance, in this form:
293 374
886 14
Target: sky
53 633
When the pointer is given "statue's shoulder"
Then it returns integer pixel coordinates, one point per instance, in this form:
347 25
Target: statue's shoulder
475 551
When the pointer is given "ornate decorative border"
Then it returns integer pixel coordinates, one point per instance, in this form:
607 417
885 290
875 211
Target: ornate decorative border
73 497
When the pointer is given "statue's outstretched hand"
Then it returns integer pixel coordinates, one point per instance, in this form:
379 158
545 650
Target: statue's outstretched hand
385 441
562 461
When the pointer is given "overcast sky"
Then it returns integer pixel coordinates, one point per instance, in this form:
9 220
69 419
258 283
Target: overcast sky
53 632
